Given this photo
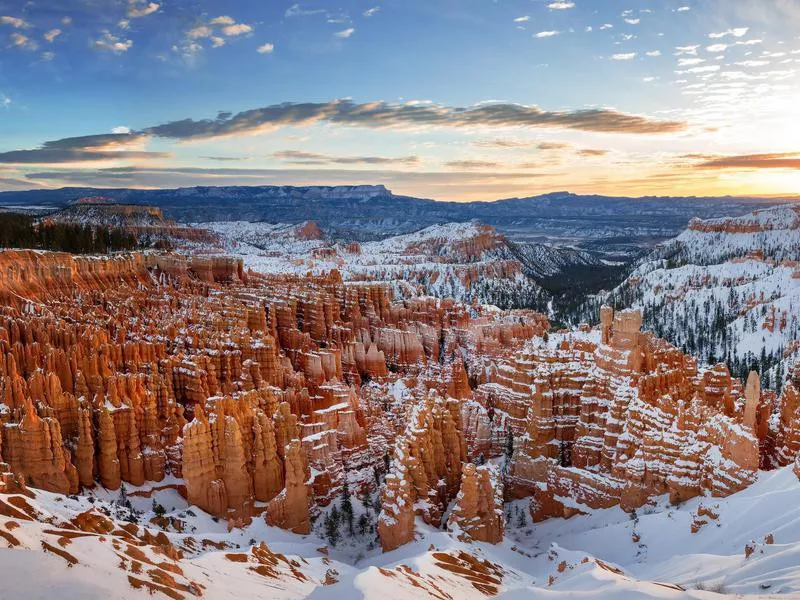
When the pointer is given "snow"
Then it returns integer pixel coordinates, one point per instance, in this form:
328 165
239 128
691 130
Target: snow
606 553
431 261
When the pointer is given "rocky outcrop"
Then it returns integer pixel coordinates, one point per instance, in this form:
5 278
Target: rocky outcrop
478 510
426 471
624 419
34 448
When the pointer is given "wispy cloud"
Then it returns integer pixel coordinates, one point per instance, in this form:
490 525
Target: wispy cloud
345 33
371 12
315 158
90 148
738 32
546 34
266 48
381 115
560 5
295 10
787 160
471 164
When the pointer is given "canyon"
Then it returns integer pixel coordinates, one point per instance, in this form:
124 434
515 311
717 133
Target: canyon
150 396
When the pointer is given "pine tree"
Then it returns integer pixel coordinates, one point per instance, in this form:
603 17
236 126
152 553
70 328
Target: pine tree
332 529
363 524
347 507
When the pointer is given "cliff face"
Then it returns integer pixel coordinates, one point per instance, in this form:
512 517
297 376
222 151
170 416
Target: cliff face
277 390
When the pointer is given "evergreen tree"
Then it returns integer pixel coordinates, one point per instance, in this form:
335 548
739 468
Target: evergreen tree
347 507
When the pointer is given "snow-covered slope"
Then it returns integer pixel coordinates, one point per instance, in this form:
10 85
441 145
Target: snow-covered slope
727 289
94 547
465 261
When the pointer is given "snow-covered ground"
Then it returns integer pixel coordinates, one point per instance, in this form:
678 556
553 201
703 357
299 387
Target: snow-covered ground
608 553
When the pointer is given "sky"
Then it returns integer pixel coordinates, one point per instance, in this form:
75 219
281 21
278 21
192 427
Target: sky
444 99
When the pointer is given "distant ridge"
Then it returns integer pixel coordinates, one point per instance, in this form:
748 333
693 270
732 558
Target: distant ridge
364 212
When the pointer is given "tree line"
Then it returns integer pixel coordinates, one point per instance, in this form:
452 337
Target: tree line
24 231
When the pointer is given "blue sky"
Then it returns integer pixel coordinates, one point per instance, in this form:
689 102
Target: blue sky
455 99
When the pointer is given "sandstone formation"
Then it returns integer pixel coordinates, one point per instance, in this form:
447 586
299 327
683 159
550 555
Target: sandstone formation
478 510
265 394
623 420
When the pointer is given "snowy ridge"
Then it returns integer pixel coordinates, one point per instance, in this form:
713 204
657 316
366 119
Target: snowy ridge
727 289
465 261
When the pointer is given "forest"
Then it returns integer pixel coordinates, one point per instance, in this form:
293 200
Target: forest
23 231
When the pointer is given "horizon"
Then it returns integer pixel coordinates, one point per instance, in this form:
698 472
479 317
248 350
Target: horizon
459 100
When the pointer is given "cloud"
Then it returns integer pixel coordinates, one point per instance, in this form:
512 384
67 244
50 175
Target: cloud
296 11
547 146
138 9
717 47
560 5
121 130
522 19
787 160
23 41
633 21
298 157
52 35
503 143
653 53
15 22
471 164
546 34
237 29
370 12
108 146
738 32
589 152
690 50
265 48
200 31
215 31
624 56
383 115
224 158
113 43
345 33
